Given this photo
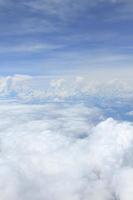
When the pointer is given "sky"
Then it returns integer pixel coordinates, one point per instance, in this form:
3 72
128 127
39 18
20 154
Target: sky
66 99
51 37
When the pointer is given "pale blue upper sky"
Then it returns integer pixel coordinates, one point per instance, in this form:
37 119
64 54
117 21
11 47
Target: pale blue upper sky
65 36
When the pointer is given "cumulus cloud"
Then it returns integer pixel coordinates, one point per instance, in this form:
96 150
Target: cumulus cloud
10 85
79 88
59 151
55 146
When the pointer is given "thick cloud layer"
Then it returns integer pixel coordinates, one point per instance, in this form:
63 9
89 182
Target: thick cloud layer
64 151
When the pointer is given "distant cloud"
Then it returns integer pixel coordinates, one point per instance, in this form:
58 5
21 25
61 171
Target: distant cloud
66 88
28 88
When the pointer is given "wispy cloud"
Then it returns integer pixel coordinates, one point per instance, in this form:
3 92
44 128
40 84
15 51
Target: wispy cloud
81 31
31 48
61 9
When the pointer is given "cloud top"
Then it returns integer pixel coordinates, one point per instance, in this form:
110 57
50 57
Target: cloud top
63 152
40 89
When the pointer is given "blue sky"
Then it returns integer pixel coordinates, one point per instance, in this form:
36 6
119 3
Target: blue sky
65 36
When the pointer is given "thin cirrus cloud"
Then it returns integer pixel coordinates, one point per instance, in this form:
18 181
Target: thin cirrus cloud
24 48
91 9
79 27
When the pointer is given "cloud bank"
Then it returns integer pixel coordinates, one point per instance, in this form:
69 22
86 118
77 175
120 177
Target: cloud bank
65 138
47 88
59 151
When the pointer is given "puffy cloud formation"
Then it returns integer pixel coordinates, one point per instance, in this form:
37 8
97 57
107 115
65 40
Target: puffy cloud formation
64 151
65 138
41 89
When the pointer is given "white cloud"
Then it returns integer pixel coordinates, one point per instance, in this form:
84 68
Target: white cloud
38 89
59 151
123 184
130 113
